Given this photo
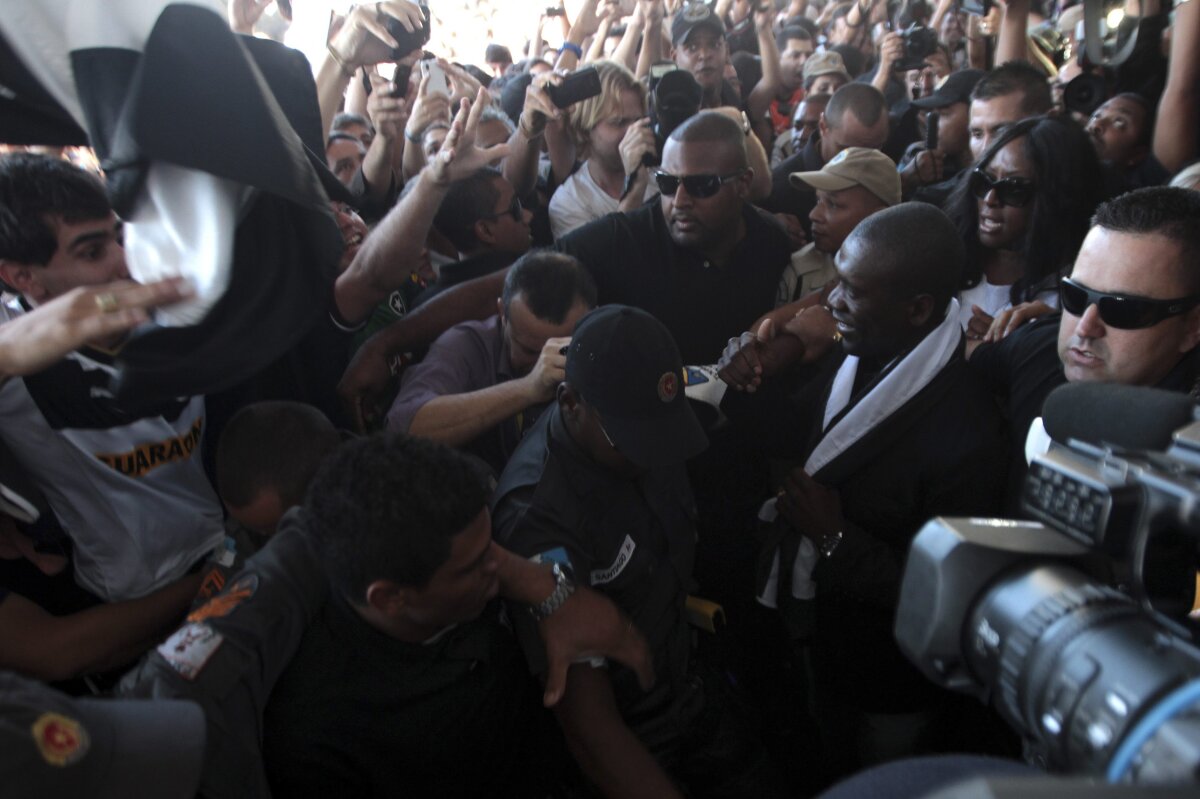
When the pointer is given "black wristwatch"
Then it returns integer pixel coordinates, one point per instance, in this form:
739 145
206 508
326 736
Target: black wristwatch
564 586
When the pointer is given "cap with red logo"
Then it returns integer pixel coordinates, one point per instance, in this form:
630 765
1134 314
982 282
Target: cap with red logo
55 745
625 364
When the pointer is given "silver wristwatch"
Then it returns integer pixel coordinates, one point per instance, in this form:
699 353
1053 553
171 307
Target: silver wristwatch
564 586
829 543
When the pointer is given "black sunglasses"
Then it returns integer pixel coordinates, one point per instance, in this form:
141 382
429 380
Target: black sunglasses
1016 192
1122 311
698 186
514 209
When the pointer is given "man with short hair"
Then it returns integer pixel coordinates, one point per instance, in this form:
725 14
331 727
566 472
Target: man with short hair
698 46
794 46
482 384
805 122
1007 94
267 455
892 428
1143 246
702 260
344 153
930 175
856 116
483 218
855 184
128 485
407 668
1123 131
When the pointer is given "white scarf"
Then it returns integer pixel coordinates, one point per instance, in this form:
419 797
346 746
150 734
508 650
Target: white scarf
898 386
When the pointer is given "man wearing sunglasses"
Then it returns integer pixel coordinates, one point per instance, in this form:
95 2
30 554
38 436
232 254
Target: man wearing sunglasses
1130 313
483 218
702 260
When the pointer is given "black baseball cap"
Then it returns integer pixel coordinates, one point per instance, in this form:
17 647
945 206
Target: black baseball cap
692 16
956 88
54 745
625 364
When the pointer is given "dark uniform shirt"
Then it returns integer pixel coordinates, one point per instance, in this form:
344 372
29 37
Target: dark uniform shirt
635 262
456 272
786 198
358 713
631 540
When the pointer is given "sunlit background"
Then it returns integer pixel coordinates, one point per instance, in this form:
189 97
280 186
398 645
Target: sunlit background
462 29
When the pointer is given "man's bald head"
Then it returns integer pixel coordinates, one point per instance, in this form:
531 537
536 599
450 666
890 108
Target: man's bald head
856 116
915 249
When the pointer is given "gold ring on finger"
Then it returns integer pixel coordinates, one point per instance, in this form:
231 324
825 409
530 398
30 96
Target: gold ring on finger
107 302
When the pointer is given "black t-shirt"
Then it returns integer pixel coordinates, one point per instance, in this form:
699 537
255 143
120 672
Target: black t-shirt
358 713
635 262
786 198
1021 370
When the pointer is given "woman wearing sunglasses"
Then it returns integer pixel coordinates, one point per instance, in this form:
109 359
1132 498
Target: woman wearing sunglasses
1023 212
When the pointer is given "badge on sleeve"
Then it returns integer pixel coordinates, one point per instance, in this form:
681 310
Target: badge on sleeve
61 741
224 603
190 648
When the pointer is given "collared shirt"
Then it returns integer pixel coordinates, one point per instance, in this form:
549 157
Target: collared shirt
635 262
632 540
467 357
809 271
359 713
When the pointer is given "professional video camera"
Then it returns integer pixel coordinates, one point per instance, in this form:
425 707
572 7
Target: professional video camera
1055 623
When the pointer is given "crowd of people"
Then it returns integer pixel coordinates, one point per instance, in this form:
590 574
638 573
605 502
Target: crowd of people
553 423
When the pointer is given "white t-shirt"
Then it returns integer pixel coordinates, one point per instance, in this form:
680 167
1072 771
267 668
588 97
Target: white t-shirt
993 300
128 488
580 200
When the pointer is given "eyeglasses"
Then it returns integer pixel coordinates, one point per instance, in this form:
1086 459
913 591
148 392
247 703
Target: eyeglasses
698 186
1016 192
1122 311
514 209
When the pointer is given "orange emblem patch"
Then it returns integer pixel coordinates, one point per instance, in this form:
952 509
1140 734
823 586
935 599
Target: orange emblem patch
224 603
60 740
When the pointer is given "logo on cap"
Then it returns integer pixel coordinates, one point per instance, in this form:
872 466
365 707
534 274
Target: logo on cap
696 11
837 159
60 740
668 386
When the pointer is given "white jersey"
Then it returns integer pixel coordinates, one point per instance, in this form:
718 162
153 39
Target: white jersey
128 487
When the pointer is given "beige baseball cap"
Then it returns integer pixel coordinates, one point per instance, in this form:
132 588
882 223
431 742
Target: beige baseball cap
855 166
826 63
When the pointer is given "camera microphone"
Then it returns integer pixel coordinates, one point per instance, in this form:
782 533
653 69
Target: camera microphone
1128 417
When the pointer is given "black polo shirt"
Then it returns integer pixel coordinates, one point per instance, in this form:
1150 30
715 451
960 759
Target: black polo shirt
358 713
631 540
635 262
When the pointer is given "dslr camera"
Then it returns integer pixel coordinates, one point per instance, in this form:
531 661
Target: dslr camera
1074 626
920 42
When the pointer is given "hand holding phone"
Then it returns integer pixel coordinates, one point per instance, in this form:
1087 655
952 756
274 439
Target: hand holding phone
576 87
438 83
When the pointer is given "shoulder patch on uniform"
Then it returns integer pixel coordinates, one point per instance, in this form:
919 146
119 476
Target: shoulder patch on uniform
190 648
624 555
224 603
61 741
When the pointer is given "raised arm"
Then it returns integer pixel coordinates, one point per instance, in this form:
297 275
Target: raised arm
1178 114
363 40
768 87
385 259
524 145
1013 44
